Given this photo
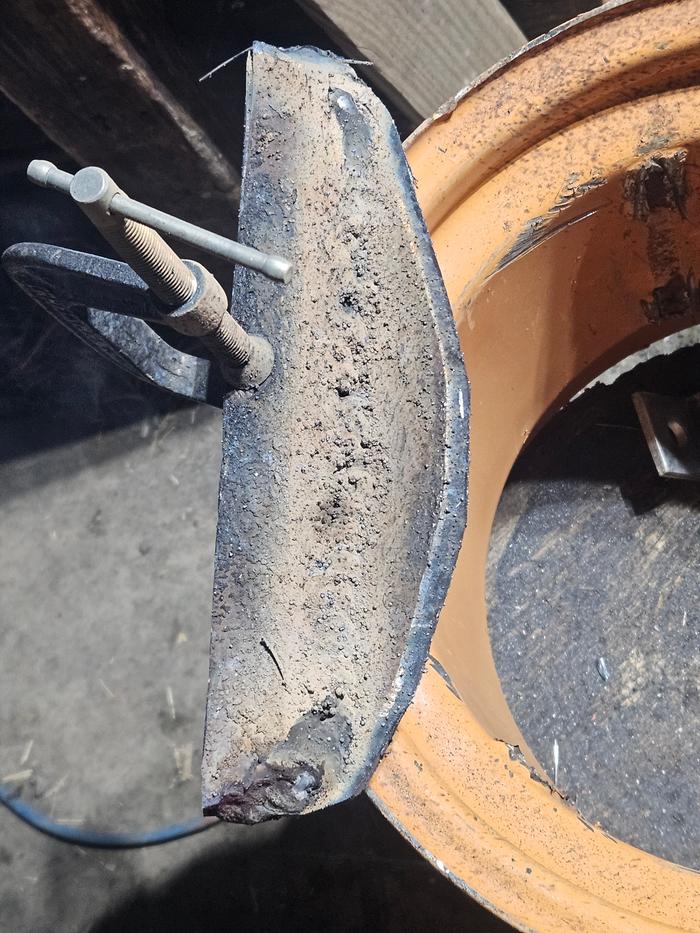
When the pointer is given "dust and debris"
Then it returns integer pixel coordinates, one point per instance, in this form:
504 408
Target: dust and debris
109 693
183 761
515 753
96 524
17 777
658 183
223 64
56 788
639 672
602 668
271 653
677 297
171 702
657 193
334 474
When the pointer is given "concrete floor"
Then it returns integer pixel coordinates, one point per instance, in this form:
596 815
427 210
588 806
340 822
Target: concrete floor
105 573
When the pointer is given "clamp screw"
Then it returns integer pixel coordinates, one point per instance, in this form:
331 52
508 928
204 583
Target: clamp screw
197 302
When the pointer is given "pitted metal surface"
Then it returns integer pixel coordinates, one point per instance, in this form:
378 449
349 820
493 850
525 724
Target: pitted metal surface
343 486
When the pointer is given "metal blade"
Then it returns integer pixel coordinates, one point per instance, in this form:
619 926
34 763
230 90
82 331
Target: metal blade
343 484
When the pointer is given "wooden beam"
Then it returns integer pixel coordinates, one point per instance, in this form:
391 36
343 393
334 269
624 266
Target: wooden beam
537 17
422 53
180 47
68 66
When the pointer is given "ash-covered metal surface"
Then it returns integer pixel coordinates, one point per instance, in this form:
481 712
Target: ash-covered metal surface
593 594
343 485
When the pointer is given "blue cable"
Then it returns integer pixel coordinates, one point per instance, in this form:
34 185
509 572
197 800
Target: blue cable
93 839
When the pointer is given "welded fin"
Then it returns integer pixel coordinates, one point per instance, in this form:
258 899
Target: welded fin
343 484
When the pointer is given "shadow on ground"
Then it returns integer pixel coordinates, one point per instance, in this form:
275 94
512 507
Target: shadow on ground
343 870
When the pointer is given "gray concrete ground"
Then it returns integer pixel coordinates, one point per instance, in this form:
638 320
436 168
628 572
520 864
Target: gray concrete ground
107 515
105 575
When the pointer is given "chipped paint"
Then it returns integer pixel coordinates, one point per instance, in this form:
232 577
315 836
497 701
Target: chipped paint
658 183
593 103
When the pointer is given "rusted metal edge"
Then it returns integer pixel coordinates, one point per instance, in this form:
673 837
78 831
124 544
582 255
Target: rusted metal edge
442 781
403 830
578 23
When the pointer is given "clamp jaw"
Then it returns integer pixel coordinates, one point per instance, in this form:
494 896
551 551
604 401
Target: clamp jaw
89 294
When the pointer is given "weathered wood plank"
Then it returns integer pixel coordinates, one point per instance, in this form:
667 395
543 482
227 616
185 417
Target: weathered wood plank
68 66
537 17
422 52
180 47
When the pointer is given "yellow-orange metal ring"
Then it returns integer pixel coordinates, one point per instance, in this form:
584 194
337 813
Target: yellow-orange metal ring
526 182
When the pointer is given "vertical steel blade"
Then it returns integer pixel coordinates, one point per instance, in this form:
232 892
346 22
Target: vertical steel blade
343 485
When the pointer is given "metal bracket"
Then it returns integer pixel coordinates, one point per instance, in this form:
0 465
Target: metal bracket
195 302
671 428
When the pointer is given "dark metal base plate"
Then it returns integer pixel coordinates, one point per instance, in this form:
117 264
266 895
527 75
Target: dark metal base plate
593 598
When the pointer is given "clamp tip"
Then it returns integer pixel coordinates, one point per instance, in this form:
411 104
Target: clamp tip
46 175
277 268
39 170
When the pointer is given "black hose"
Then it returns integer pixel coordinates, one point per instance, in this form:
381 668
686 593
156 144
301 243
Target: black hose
94 839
